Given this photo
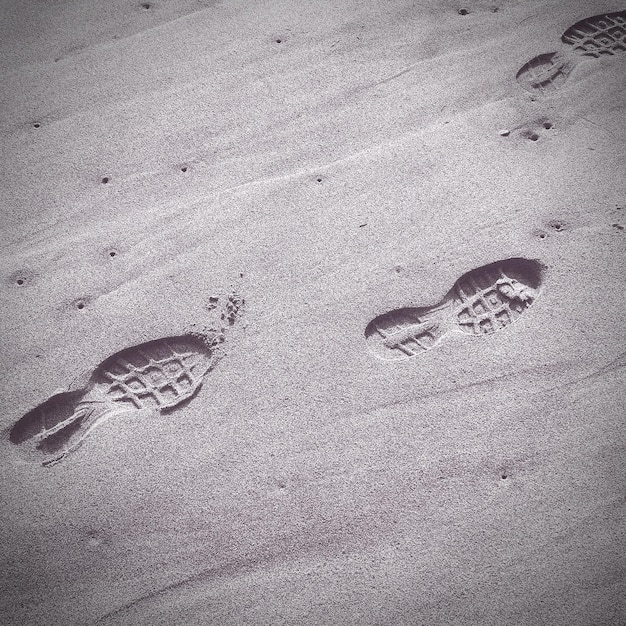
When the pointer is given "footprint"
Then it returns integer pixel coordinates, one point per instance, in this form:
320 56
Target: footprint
592 37
157 375
481 302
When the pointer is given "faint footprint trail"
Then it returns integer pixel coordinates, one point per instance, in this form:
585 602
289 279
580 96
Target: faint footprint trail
481 302
157 375
600 35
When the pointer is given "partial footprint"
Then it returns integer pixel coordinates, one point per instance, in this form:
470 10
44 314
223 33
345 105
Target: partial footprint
592 37
481 302
157 375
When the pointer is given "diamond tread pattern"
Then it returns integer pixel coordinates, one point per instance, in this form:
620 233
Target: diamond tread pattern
484 309
159 374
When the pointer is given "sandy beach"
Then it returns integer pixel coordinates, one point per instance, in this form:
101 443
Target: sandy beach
313 313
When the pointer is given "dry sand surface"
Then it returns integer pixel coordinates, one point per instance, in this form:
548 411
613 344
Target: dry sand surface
260 262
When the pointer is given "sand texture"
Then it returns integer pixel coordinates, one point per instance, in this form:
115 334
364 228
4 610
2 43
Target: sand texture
312 313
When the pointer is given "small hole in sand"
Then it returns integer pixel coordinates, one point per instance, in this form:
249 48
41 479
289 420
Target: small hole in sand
463 12
105 180
533 136
80 305
146 5
319 179
279 41
183 169
112 253
495 9
504 476
542 236
547 125
20 281
36 125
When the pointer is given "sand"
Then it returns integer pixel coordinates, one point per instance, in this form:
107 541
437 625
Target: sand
290 189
